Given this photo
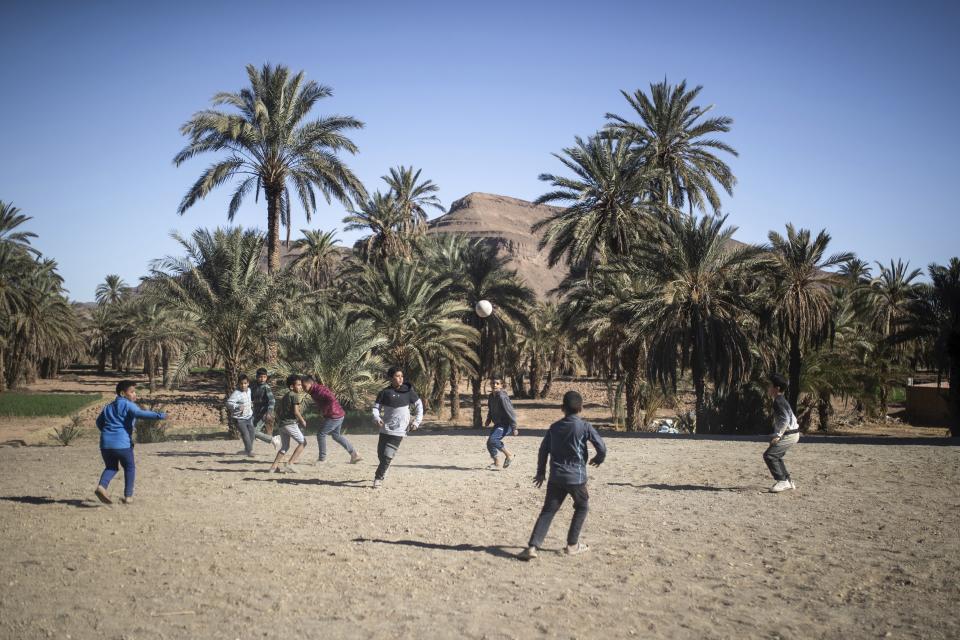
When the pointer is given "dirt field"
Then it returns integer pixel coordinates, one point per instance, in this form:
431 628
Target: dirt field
685 544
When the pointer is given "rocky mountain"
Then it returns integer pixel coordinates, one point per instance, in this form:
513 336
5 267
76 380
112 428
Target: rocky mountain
506 223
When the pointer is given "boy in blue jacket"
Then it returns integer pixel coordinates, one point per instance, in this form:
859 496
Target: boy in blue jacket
566 446
115 423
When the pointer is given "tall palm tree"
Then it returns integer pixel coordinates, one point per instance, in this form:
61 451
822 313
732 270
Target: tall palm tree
891 293
945 281
218 286
474 271
317 257
702 310
270 148
409 308
412 196
606 199
10 219
112 290
383 217
157 334
674 136
801 296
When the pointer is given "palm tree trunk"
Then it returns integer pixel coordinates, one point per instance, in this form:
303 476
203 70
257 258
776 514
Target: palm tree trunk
699 368
534 376
165 365
102 360
230 372
632 389
274 199
148 365
454 393
3 377
475 383
549 382
824 410
796 362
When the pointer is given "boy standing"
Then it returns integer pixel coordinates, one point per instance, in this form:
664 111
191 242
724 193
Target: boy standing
263 405
290 419
116 422
394 403
332 414
240 406
566 446
500 413
786 433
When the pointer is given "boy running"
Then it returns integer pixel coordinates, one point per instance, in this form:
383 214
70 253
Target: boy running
394 403
786 433
333 414
566 446
116 422
500 413
240 406
290 419
263 405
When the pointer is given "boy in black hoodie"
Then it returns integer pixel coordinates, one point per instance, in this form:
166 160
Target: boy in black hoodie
566 446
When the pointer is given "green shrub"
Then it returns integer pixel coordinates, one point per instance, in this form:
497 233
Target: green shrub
69 432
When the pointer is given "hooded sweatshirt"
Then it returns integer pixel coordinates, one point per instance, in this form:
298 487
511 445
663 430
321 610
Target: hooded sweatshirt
393 407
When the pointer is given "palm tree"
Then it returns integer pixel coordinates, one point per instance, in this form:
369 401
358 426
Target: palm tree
607 198
548 347
473 271
219 287
408 307
342 353
413 197
382 216
673 138
112 290
801 294
946 294
891 294
10 219
271 149
702 308
157 335
317 257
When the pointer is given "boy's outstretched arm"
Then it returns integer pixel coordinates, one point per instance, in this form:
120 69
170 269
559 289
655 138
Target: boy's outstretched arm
542 456
598 444
146 415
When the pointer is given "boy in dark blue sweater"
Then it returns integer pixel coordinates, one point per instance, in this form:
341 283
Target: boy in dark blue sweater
116 422
566 446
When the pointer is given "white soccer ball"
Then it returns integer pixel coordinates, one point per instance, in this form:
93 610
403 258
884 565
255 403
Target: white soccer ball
484 308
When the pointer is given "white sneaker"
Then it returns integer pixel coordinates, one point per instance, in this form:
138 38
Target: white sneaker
377 483
276 443
792 484
781 485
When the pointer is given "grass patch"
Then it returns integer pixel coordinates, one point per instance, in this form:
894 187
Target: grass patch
898 395
20 404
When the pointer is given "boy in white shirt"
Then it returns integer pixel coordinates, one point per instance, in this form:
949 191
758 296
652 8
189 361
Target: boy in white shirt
240 407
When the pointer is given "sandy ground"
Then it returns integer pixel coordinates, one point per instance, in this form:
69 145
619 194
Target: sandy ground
685 544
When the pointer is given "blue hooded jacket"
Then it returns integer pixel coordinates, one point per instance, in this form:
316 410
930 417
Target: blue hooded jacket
116 423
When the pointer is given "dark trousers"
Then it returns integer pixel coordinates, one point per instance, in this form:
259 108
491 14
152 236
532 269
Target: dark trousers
113 459
556 493
773 456
386 449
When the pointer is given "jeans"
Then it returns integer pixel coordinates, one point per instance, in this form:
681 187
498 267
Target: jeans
245 427
556 493
259 424
113 459
495 441
331 427
386 449
773 456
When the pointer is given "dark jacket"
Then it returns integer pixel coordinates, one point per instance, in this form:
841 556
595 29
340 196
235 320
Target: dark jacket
500 410
263 400
566 445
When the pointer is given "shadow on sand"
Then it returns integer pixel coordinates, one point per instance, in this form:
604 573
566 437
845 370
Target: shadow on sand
42 501
440 467
498 551
349 484
677 487
195 454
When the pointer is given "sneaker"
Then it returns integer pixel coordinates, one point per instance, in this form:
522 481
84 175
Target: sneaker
127 499
781 485
321 460
242 452
276 443
493 466
101 494
508 461
792 484
576 549
527 554
377 483
355 458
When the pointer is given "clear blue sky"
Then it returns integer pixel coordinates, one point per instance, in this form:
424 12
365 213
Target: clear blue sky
841 110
